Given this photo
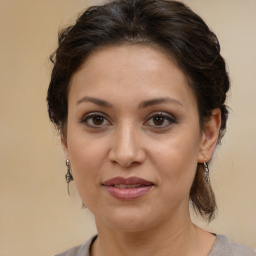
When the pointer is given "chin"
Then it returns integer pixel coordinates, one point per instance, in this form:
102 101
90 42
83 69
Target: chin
130 225
127 220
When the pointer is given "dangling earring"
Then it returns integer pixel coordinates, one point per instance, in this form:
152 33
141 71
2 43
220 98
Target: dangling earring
68 175
206 172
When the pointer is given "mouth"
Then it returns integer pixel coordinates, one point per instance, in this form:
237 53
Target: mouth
127 188
128 182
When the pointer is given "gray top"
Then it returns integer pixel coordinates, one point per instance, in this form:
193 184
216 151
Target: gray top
222 247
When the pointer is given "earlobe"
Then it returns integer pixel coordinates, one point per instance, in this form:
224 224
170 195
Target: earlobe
210 136
65 147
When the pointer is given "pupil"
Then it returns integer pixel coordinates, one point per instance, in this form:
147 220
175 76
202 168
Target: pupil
158 120
98 120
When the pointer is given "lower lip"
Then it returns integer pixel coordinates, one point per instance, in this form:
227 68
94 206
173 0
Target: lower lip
128 193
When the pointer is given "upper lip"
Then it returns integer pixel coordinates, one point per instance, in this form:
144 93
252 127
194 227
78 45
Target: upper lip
127 181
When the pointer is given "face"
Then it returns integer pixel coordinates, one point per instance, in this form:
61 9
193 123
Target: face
133 137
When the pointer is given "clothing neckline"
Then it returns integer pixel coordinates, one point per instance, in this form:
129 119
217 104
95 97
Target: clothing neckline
217 242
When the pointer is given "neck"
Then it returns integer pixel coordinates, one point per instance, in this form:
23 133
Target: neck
182 238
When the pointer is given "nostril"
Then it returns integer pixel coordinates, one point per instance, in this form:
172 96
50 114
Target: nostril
126 160
126 147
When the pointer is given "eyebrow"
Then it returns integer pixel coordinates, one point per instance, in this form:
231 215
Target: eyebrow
151 102
96 101
143 104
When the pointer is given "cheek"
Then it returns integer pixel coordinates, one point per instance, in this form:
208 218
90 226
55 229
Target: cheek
87 160
176 162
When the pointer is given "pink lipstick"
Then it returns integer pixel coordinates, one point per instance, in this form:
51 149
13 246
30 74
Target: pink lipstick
127 188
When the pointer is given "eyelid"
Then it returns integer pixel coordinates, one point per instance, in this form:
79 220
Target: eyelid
169 117
93 114
161 113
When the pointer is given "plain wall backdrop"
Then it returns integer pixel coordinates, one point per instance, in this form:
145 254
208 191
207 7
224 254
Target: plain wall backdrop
37 217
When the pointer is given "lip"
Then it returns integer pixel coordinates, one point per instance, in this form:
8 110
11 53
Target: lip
127 181
131 193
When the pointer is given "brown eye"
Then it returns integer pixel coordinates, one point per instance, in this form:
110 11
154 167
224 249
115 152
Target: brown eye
161 120
95 120
158 120
98 120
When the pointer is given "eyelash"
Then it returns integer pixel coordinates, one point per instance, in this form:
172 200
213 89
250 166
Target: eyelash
90 116
166 118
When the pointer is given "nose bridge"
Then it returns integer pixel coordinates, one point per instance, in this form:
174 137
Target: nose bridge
126 145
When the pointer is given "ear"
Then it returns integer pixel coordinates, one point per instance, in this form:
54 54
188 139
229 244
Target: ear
210 136
65 147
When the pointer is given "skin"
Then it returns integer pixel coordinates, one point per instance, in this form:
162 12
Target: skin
160 141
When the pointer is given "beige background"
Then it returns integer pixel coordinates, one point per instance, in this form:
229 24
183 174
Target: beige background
37 217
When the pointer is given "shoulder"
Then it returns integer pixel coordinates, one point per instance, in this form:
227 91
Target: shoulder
223 246
80 250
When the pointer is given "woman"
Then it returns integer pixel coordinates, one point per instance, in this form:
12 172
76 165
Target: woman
138 94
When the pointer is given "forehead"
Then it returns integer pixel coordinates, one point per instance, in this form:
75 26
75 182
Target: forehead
133 70
139 57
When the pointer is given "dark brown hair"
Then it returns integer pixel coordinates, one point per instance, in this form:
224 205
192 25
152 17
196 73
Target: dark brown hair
168 24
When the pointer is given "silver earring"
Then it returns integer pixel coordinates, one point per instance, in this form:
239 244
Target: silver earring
206 172
68 175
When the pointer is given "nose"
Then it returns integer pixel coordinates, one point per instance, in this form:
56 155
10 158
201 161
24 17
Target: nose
127 147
